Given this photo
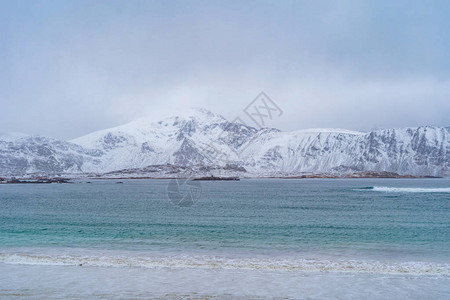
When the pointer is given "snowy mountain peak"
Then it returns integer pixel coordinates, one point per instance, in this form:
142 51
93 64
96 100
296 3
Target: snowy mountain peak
193 117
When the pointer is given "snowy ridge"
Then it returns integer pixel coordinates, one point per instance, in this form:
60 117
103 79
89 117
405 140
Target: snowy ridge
199 137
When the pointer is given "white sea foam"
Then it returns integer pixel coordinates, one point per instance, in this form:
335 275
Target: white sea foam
214 262
409 190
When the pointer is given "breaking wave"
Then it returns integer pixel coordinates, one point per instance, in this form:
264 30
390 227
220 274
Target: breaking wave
409 190
214 262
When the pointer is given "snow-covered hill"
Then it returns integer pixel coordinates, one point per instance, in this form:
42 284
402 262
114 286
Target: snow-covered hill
22 154
201 138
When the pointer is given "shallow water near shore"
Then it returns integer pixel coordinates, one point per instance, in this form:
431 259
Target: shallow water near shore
255 238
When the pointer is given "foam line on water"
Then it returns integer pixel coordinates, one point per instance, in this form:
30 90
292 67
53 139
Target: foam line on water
215 262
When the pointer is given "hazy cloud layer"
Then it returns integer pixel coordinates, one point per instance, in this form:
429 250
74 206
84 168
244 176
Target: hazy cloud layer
71 67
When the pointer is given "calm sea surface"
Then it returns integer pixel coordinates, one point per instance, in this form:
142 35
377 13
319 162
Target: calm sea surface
249 238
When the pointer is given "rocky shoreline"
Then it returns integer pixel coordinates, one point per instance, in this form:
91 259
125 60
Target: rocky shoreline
14 180
215 178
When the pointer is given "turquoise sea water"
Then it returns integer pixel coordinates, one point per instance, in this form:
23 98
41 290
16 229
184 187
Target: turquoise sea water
357 227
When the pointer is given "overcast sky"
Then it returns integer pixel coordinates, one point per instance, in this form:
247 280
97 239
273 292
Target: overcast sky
68 68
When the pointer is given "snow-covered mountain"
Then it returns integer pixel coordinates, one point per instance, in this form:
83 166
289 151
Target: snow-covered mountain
184 140
414 151
201 138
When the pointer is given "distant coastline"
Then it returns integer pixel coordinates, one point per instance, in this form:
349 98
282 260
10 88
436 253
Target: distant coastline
29 179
